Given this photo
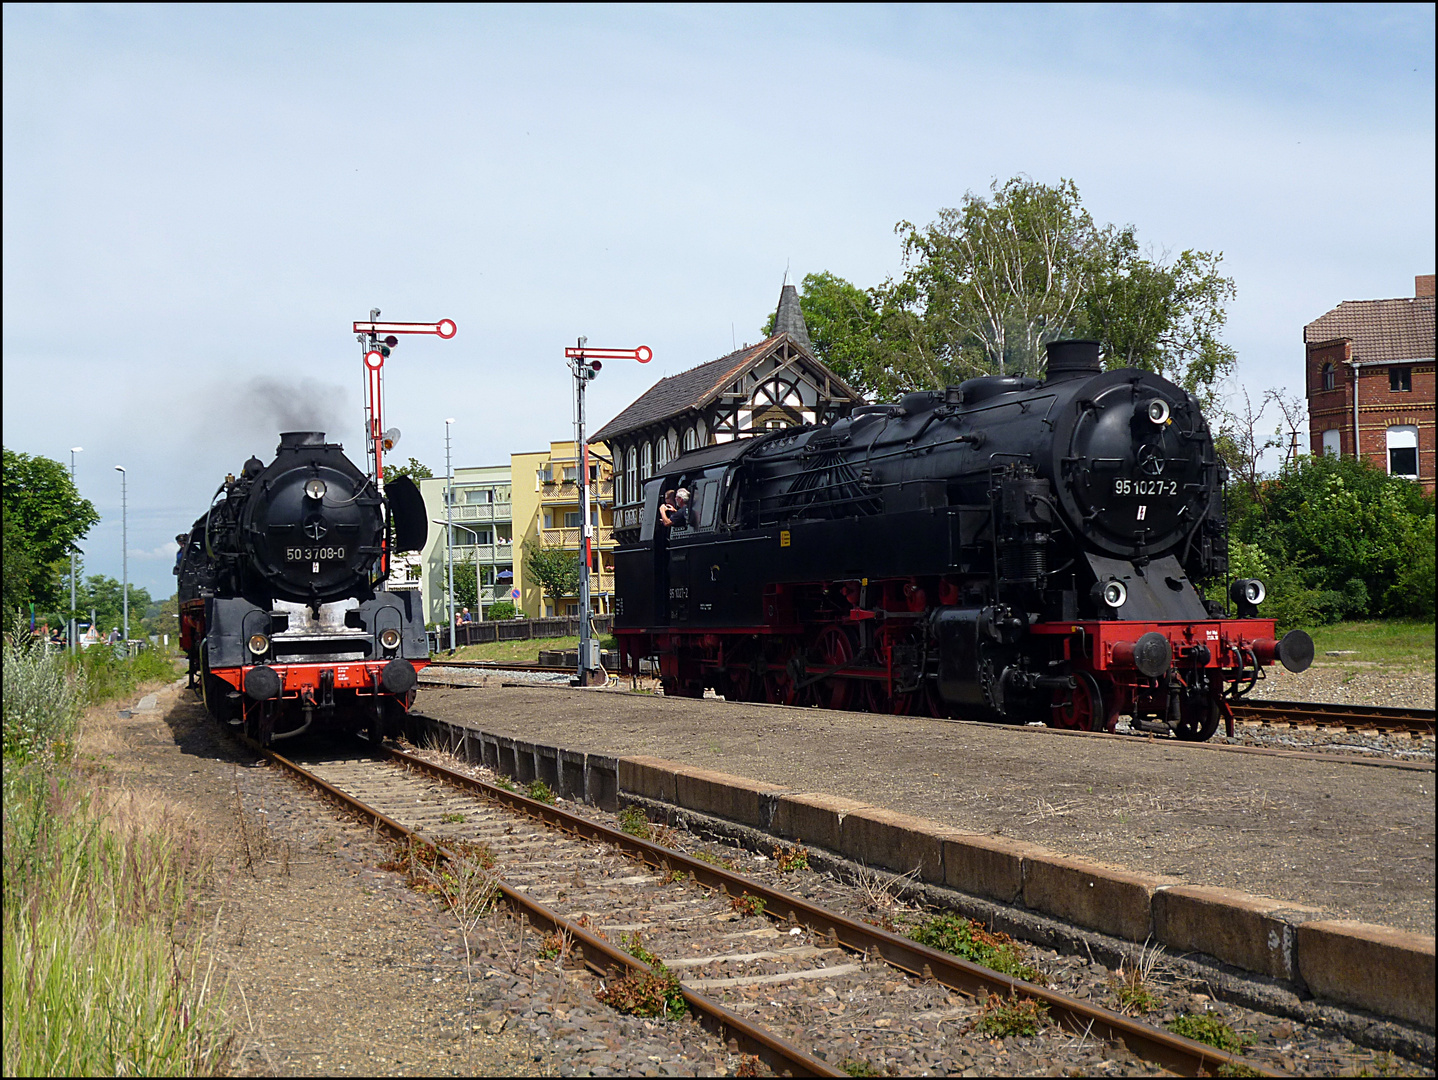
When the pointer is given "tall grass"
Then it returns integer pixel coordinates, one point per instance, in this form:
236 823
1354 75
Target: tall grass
102 969
107 676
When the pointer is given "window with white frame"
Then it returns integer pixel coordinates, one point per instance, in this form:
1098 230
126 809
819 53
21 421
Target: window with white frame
661 455
647 469
631 483
1330 377
691 440
1403 451
1332 442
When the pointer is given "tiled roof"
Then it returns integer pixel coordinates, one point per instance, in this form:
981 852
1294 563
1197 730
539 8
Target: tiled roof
1400 329
687 390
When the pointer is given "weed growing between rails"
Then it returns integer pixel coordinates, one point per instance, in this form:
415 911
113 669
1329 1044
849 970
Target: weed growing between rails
99 977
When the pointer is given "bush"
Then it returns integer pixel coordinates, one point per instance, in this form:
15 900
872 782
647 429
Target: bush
958 935
1341 539
502 610
43 699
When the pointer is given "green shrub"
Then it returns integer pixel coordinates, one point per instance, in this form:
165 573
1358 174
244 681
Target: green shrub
960 936
43 699
502 610
633 821
652 993
1003 1018
1208 1028
539 791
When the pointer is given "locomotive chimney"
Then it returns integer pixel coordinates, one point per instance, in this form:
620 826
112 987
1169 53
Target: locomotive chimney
1071 359
293 440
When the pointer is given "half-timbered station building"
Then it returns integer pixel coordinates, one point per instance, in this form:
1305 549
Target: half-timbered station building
776 383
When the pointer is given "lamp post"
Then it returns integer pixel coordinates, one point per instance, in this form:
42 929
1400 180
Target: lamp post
124 556
449 529
70 637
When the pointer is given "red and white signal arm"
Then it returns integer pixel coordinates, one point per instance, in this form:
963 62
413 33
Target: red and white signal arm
643 354
445 328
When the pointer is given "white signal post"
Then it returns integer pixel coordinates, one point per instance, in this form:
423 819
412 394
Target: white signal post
376 339
585 363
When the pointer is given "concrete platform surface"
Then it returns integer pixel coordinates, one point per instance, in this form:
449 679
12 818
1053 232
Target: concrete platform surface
1355 842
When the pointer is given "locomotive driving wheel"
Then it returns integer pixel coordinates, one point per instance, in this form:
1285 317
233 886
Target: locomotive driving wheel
834 649
1082 708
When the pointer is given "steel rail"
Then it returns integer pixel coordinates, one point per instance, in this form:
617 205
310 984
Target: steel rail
1400 719
598 955
1153 1044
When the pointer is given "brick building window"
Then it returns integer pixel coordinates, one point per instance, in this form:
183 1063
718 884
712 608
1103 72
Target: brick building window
1330 379
1400 379
1403 451
1332 440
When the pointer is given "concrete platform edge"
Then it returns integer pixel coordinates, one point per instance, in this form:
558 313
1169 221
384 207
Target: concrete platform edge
1278 941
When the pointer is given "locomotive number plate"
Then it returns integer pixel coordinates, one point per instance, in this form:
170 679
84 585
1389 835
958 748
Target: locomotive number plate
1124 486
313 554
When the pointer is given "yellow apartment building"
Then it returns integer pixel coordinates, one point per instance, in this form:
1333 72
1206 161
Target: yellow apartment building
546 511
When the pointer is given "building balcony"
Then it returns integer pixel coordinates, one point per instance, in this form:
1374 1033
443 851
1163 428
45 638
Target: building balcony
468 512
482 553
569 538
567 491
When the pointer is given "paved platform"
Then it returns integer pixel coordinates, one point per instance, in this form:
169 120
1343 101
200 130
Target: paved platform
1354 841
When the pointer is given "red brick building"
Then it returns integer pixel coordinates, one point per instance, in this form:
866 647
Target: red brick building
1370 382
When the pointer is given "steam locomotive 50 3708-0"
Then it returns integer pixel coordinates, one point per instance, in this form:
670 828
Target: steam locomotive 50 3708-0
282 611
1008 550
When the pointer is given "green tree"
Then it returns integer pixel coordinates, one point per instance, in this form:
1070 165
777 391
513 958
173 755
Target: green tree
415 470
556 569
987 284
105 596
1359 540
843 326
466 586
44 521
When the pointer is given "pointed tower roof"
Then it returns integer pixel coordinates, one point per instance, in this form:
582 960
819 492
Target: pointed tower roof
789 319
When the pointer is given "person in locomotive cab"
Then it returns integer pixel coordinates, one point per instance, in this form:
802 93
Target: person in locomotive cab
681 508
666 509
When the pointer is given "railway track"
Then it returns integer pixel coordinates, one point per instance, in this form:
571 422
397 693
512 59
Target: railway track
1294 714
722 933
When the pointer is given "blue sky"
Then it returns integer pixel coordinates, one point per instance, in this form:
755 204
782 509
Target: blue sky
199 201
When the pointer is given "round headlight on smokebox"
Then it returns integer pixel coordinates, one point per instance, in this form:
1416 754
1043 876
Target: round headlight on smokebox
1158 411
389 638
259 644
315 488
1114 593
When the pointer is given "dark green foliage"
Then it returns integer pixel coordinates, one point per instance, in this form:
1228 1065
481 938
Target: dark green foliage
633 821
859 1067
987 284
44 520
105 596
1335 538
556 569
1003 1018
502 610
955 934
652 993
539 791
1210 1029
415 470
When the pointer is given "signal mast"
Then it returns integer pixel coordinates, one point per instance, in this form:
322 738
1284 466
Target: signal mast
586 363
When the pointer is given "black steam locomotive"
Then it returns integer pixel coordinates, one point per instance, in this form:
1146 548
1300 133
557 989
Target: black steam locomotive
1008 550
282 609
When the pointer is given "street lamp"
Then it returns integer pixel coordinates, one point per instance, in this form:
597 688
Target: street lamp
124 556
74 645
449 530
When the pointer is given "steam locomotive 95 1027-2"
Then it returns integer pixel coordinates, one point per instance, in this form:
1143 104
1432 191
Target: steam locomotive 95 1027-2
1008 549
282 607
